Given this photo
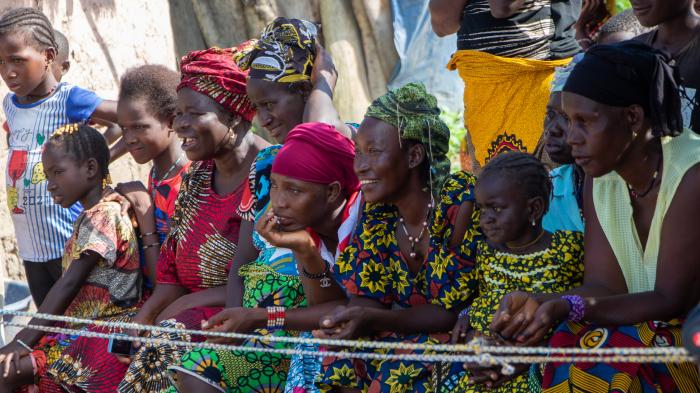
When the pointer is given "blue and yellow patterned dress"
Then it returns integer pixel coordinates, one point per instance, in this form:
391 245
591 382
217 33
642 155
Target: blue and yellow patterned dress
372 266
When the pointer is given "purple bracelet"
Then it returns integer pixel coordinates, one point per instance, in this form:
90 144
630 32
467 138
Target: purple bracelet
576 307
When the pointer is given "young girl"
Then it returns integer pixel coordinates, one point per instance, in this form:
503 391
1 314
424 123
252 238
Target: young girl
512 194
147 101
102 280
36 106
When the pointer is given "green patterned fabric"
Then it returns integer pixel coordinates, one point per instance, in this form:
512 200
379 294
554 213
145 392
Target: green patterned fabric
250 372
414 112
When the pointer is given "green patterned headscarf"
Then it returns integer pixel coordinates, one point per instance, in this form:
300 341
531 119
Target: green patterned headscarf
414 112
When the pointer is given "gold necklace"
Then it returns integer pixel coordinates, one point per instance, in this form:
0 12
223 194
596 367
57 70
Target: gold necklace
524 246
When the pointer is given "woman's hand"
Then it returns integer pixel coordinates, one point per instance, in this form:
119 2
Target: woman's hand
10 353
299 241
140 319
547 315
137 195
235 320
489 375
514 314
462 333
324 68
344 323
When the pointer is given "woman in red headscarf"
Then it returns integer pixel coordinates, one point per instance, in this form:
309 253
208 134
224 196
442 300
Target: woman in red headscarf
212 118
314 208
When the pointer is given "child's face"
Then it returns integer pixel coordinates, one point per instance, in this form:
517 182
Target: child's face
22 67
504 212
555 127
278 109
145 135
67 180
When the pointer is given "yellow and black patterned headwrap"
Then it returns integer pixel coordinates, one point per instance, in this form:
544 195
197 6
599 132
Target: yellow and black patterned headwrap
284 53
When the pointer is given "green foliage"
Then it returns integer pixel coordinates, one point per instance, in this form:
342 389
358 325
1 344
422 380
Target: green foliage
622 5
455 123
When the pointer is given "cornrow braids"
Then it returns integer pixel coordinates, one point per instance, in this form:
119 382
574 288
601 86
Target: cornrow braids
32 21
523 169
83 142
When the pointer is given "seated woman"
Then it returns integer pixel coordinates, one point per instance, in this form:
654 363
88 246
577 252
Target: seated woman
314 206
101 280
518 254
415 239
641 255
213 121
285 97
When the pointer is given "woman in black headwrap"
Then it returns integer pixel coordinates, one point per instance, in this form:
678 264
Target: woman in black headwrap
642 188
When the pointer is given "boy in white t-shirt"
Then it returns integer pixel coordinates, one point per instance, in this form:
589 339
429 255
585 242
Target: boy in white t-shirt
37 105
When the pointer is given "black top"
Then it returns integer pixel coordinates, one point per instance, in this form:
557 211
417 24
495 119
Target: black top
542 30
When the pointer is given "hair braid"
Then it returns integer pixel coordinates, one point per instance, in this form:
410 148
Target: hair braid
523 169
83 142
33 21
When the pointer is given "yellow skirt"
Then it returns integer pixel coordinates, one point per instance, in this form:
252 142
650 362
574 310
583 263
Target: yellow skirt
505 100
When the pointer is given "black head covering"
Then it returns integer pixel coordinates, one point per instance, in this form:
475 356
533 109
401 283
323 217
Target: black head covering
632 73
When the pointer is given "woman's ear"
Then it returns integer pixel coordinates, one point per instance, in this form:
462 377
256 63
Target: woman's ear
416 155
536 208
635 118
334 192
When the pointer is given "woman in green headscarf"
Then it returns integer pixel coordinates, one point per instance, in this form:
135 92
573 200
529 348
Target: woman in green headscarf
415 239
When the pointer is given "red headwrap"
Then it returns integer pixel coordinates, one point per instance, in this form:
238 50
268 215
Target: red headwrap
318 153
214 73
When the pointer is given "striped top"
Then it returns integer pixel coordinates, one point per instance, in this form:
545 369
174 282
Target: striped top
41 227
541 30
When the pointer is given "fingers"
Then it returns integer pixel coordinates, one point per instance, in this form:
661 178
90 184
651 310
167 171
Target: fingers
517 324
536 330
459 333
8 364
500 321
217 319
123 359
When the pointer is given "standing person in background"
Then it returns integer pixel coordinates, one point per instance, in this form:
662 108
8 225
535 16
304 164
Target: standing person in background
678 33
507 53
28 50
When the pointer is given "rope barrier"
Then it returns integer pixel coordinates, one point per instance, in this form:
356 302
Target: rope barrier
482 354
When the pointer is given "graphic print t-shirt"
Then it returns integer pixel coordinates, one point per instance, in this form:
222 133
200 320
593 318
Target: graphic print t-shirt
41 227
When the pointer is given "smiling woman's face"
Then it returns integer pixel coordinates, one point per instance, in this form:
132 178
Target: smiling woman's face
201 123
380 162
279 110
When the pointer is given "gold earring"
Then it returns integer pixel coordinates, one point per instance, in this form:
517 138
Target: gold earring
106 181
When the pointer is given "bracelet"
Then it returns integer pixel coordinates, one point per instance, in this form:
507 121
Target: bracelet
24 345
324 276
275 317
148 234
576 307
465 313
151 245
